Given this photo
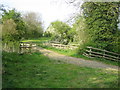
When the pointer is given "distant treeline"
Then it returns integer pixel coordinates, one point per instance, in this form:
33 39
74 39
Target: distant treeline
16 26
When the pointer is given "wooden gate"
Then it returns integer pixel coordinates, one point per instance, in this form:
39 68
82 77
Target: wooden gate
26 47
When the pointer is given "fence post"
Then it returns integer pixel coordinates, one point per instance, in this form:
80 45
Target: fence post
13 49
5 46
118 58
104 53
20 47
60 46
90 52
30 47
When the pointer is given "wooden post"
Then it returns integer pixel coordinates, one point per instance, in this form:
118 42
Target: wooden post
103 53
68 46
23 49
5 47
13 48
30 47
118 58
90 52
20 47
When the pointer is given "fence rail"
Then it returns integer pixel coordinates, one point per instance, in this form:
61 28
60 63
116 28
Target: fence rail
26 47
10 47
61 46
95 52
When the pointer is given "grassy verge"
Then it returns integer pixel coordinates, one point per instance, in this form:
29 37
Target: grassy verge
39 40
37 71
73 53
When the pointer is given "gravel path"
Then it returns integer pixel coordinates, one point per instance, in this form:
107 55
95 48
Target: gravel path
78 61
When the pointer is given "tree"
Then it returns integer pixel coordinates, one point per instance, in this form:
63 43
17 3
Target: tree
9 32
81 35
13 29
1 31
34 25
16 17
61 31
101 19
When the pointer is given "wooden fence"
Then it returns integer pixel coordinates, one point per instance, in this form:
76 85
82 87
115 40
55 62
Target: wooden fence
10 47
95 52
26 47
60 46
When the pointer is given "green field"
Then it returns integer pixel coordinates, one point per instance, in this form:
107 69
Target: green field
37 71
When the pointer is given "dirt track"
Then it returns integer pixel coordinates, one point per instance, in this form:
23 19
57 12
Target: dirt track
78 61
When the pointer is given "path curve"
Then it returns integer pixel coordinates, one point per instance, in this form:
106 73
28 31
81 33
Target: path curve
78 61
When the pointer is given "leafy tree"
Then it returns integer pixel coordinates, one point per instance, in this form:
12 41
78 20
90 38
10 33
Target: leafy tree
47 34
71 34
1 31
20 25
81 35
34 25
13 29
101 19
61 31
9 32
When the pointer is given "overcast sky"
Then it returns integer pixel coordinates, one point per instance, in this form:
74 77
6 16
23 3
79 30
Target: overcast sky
50 10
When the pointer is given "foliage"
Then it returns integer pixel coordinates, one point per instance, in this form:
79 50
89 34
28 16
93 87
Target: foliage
61 31
28 26
16 28
0 31
9 32
81 36
47 34
13 29
71 34
16 17
101 19
34 25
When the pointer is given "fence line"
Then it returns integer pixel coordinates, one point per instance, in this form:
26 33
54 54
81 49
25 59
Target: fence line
26 47
95 52
58 45
21 47
10 47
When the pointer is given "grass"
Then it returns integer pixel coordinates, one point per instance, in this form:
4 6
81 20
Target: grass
37 71
73 53
39 40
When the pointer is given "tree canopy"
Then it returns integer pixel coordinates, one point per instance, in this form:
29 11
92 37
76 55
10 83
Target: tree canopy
101 19
16 27
61 30
33 23
13 23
